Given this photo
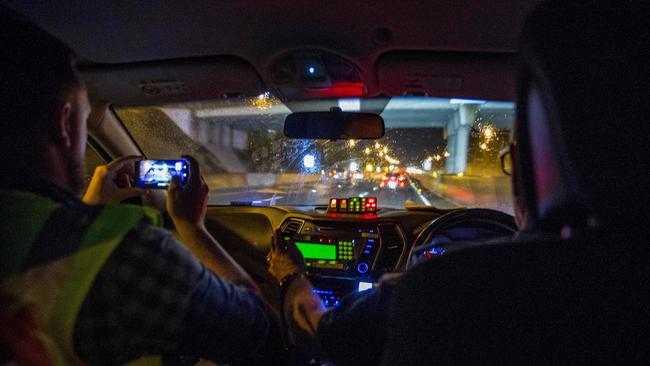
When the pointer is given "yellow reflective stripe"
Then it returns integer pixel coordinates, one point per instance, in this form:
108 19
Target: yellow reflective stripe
103 236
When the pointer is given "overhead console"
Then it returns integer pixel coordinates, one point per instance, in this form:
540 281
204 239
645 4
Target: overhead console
345 256
316 74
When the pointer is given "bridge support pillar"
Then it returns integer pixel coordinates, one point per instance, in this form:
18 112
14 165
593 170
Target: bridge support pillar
457 131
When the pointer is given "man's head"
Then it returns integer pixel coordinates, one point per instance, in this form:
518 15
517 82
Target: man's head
43 105
581 139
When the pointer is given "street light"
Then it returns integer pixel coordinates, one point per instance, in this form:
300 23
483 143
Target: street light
263 101
308 161
488 132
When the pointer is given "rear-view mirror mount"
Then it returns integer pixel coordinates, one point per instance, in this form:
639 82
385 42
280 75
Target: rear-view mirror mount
334 125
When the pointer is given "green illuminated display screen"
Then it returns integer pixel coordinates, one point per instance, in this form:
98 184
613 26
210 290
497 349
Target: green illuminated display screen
317 251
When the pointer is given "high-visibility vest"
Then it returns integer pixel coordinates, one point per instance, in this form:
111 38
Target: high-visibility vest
58 288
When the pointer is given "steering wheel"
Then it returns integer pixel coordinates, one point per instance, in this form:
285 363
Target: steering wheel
491 223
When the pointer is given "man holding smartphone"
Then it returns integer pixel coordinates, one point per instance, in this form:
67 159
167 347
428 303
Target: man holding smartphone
109 285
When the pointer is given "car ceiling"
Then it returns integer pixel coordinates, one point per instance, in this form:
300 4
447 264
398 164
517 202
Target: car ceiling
121 32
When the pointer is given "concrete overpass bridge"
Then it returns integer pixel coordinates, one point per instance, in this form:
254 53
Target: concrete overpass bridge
223 128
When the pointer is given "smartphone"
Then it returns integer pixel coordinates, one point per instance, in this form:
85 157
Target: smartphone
157 174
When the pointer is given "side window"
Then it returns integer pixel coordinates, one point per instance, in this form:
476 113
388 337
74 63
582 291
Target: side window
93 159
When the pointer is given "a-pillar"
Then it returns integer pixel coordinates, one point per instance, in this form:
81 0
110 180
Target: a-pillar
458 129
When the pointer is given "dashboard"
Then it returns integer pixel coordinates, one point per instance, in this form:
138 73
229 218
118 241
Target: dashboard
344 252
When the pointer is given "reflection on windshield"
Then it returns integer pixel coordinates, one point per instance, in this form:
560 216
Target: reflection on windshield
436 152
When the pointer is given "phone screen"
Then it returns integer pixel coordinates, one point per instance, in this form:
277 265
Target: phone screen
157 174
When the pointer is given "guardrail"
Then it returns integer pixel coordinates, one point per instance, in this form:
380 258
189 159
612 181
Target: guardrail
471 191
257 180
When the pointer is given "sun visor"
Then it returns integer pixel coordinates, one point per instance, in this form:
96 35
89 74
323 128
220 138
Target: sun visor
448 74
171 81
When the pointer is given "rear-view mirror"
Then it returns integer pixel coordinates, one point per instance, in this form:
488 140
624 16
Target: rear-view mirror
333 125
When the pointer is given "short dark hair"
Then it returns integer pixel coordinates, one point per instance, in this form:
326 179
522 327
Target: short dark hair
37 70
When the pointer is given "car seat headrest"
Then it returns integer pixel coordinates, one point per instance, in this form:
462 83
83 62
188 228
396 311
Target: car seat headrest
584 81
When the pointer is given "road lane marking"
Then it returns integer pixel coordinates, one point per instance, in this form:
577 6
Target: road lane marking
424 199
272 199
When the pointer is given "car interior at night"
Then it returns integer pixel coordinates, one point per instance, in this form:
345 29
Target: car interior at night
401 119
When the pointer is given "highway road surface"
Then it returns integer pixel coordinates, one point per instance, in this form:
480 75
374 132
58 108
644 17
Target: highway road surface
318 193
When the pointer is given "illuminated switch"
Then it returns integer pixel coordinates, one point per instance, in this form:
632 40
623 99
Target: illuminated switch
363 267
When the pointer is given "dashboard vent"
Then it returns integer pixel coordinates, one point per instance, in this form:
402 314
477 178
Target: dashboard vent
392 246
293 226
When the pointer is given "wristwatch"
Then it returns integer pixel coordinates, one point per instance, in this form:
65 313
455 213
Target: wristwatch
287 280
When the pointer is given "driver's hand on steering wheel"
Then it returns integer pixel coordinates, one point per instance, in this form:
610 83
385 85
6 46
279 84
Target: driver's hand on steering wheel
284 259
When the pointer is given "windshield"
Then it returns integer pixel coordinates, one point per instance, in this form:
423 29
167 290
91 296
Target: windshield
435 152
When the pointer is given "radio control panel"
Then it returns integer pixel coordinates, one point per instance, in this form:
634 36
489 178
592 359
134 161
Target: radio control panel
348 250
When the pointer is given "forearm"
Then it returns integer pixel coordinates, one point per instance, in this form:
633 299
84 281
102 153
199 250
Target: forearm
225 322
204 247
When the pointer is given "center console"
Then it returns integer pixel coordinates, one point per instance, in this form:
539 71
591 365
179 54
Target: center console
344 256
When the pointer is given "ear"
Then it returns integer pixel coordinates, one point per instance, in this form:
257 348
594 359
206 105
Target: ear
65 126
